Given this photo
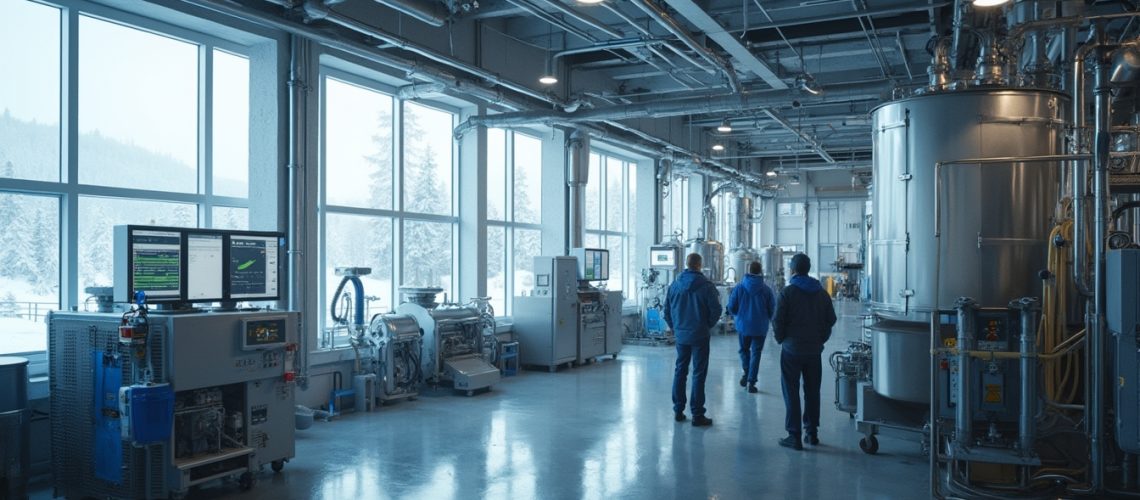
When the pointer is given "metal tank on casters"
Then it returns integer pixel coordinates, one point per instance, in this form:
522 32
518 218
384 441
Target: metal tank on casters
995 219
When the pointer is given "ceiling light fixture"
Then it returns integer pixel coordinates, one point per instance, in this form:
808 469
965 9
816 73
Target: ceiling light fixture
724 126
718 147
591 2
548 78
771 173
989 3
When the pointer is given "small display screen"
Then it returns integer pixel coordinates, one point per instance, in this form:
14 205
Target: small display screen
156 263
204 266
264 333
253 267
542 280
663 257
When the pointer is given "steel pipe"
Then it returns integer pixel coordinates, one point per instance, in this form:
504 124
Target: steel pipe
1102 93
1027 417
583 18
963 412
430 13
295 225
578 177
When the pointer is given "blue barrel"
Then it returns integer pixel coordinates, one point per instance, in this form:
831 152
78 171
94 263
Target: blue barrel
15 431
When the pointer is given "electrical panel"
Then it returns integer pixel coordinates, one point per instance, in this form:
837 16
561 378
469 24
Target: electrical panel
995 391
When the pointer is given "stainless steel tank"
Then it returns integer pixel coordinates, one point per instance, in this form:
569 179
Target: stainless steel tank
995 224
712 257
742 254
772 262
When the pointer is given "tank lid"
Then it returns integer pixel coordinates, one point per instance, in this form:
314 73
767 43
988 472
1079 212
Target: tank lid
421 296
973 91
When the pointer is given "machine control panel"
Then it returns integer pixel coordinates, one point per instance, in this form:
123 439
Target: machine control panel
996 330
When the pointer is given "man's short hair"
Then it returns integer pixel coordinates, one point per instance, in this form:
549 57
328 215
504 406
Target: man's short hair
754 267
693 261
801 264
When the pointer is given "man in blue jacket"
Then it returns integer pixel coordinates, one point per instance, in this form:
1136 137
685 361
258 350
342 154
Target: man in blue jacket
751 304
692 307
804 317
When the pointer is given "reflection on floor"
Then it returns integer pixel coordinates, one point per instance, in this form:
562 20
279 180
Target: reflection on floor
599 431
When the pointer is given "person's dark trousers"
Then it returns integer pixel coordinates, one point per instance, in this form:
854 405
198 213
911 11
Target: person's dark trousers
792 368
698 354
750 350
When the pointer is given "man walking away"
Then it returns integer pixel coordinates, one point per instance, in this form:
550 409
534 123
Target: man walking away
751 304
804 317
691 309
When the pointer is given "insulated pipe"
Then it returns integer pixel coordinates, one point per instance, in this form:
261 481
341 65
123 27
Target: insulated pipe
550 19
1027 418
628 20
954 55
420 89
583 18
963 412
666 21
1080 176
579 175
432 13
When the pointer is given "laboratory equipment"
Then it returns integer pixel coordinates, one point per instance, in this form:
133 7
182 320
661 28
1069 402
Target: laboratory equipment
453 340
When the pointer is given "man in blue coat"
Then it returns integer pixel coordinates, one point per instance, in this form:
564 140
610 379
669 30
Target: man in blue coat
752 305
692 307
804 317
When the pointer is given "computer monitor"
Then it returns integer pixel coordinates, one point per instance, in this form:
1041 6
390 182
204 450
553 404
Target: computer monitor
663 257
593 263
148 259
205 266
253 270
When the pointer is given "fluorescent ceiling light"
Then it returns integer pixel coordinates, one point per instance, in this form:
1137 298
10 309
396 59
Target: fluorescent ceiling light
548 79
724 126
590 2
718 147
771 173
989 3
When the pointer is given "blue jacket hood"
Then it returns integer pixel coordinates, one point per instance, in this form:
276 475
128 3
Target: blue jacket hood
806 283
752 305
692 280
692 307
752 282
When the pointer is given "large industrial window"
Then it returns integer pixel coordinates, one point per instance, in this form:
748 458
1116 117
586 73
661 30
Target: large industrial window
676 218
611 215
514 214
137 104
406 235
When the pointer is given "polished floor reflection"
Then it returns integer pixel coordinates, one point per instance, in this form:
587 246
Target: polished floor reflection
600 431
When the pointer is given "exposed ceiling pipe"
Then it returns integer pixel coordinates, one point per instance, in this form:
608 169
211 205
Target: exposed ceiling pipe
583 18
886 11
533 10
676 107
680 53
420 90
431 12
713 29
666 21
316 10
624 43
815 145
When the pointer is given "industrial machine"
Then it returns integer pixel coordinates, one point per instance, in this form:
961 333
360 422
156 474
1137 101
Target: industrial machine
184 399
397 346
454 337
566 320
147 404
665 263
1005 283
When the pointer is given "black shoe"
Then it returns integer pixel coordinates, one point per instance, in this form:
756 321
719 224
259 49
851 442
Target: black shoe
811 439
701 421
752 388
743 380
792 442
679 416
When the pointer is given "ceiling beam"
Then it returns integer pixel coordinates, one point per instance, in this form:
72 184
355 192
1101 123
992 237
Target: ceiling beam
712 29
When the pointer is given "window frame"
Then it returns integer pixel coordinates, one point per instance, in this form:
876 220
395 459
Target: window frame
68 190
508 223
327 338
628 231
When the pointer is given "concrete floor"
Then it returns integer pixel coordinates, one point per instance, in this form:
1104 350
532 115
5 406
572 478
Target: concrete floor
599 431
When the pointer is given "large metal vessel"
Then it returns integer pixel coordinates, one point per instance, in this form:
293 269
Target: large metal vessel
712 257
772 262
742 253
995 223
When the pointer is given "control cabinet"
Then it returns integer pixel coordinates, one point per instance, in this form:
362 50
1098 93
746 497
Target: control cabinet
546 321
232 380
1123 314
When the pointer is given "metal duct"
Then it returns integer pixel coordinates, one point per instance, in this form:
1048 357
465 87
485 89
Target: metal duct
713 29
420 90
578 176
431 13
735 102
810 141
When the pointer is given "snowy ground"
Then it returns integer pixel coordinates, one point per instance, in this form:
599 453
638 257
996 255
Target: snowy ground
21 335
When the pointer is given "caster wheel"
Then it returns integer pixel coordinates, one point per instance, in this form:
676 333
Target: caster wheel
277 465
869 445
245 481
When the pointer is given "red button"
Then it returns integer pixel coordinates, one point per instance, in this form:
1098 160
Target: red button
289 376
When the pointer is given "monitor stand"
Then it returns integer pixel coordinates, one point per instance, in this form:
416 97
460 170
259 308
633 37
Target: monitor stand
226 306
172 308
